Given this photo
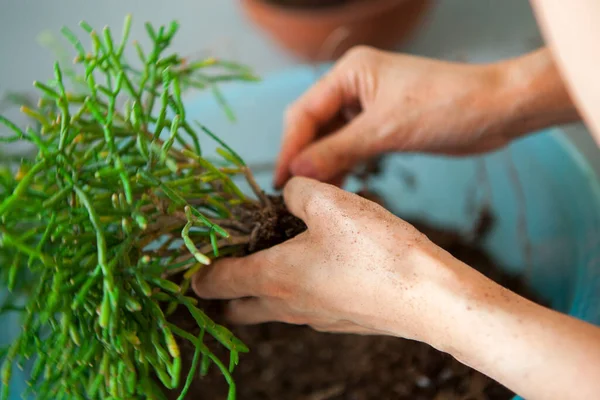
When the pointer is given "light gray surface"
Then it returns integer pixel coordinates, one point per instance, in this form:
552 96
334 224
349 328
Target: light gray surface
470 30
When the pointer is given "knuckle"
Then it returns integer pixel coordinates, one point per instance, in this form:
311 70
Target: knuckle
280 290
328 200
278 285
359 52
320 202
274 280
332 207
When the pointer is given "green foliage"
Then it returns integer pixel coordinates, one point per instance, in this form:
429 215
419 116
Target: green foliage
115 202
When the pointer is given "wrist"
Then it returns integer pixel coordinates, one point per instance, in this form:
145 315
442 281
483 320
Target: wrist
452 296
455 299
439 292
530 95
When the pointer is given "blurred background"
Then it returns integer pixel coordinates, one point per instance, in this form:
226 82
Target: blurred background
255 33
552 237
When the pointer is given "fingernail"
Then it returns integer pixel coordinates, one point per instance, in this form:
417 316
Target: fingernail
279 179
275 182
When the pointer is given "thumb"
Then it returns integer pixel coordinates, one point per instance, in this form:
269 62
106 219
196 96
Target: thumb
336 154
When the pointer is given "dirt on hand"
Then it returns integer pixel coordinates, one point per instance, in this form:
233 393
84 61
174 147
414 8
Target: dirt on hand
295 362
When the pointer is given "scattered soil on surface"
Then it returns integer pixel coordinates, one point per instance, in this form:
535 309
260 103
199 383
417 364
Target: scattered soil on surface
297 363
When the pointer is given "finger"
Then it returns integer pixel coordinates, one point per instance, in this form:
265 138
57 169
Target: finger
339 152
299 132
248 312
229 278
315 108
342 327
306 198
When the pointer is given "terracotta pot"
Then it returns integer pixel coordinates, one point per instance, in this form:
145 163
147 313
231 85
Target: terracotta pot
324 33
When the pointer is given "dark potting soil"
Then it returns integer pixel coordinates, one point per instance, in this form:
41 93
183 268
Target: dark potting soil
297 363
270 225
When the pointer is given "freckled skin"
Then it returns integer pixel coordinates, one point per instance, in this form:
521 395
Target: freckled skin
359 269
369 272
314 269
415 104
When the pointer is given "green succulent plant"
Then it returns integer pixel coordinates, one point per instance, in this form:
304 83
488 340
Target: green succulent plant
118 200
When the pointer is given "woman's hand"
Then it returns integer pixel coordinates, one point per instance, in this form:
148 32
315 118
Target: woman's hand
396 102
360 269
357 269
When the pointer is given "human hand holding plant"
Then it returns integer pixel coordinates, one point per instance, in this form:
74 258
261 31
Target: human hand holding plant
347 273
414 104
359 269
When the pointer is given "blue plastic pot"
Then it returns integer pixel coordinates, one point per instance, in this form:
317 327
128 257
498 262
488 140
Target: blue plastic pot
552 236
544 194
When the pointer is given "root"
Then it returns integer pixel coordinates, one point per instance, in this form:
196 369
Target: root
265 167
254 237
159 231
224 243
232 224
264 199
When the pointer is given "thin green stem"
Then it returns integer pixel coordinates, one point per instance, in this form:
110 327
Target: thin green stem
93 224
